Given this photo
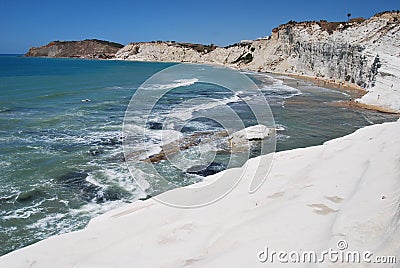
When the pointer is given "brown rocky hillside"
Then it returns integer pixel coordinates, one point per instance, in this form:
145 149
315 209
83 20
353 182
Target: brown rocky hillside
92 49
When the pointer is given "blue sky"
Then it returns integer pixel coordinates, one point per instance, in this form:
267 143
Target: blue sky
33 23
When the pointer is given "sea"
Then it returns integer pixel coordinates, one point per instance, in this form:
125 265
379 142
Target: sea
61 141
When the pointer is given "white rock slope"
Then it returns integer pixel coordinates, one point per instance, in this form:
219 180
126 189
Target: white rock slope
363 52
347 189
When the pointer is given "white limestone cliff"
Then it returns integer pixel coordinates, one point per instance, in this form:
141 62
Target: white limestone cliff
361 52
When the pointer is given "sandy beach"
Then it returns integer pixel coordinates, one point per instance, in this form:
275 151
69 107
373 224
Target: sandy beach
328 83
356 91
354 104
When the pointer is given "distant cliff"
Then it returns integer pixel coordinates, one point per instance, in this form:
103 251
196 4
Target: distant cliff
90 49
361 52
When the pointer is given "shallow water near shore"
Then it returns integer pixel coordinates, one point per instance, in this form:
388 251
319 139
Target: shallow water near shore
60 136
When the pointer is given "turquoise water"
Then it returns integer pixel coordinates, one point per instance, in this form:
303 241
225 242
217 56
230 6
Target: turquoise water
47 132
61 161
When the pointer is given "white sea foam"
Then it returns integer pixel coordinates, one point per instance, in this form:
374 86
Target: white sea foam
4 164
280 127
159 138
94 209
58 222
141 179
153 139
122 178
281 137
324 89
174 84
117 87
281 90
277 82
186 113
258 74
23 213
91 179
281 77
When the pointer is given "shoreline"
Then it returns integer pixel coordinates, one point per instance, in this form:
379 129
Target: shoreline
346 88
275 216
352 103
336 84
329 83
356 104
321 82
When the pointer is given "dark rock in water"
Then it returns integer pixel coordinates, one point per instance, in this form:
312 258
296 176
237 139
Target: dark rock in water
255 148
89 191
77 181
73 178
95 151
204 170
5 110
145 198
154 125
187 129
111 141
28 196
108 196
112 193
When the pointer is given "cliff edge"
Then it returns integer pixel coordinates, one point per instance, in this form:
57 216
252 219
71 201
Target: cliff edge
89 49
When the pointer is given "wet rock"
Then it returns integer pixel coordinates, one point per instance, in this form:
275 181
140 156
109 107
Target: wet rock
187 129
112 193
88 191
206 170
73 178
111 141
154 125
185 143
77 181
95 151
28 196
5 110
145 198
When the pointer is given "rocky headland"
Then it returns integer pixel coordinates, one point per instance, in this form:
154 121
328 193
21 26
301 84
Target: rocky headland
89 49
